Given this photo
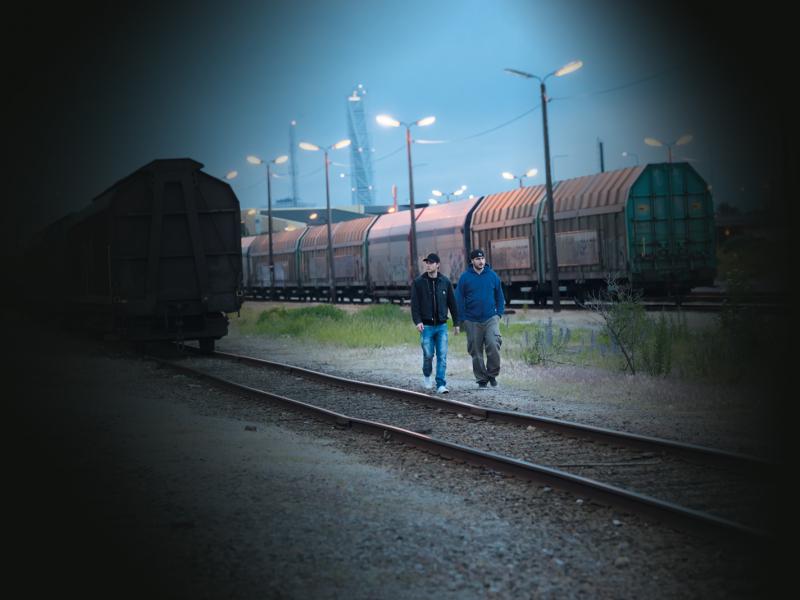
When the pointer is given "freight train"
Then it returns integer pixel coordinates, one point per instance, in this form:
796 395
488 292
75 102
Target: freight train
157 256
651 226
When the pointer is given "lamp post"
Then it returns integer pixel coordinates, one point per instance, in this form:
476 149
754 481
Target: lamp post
447 195
388 121
634 155
551 225
325 149
510 176
255 160
684 139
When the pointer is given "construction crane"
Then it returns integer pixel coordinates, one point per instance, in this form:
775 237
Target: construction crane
363 191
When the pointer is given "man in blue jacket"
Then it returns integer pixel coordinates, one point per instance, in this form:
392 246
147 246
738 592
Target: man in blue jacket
481 303
431 297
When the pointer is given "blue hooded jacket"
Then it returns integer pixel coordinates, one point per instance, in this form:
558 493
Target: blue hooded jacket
479 297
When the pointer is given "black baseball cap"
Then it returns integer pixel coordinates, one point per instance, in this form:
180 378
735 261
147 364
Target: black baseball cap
477 253
432 258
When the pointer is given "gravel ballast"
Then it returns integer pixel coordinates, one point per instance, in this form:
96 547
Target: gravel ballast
135 480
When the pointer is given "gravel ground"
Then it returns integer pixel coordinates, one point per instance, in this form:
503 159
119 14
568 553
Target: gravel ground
738 496
132 481
733 417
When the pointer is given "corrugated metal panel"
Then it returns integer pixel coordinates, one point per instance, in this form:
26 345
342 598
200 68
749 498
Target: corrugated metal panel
352 233
317 237
594 194
283 242
507 208
389 249
445 216
392 224
246 241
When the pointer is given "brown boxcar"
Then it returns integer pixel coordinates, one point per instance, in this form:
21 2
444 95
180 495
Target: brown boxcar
350 257
285 257
650 225
313 263
389 250
444 230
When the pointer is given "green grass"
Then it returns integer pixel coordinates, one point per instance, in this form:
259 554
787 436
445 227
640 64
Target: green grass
378 326
715 354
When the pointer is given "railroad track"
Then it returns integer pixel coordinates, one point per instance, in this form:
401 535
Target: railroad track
686 485
700 303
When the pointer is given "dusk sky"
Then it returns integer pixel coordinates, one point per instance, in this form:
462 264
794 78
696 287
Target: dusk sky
109 90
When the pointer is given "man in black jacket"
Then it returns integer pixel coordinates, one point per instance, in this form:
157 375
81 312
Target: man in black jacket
431 296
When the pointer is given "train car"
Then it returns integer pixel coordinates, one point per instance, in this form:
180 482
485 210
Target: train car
389 250
313 263
286 260
157 256
444 230
247 241
350 258
651 226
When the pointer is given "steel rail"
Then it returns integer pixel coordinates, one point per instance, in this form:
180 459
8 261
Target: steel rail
681 517
707 456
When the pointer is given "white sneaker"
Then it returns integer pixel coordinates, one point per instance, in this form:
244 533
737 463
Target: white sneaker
442 389
427 382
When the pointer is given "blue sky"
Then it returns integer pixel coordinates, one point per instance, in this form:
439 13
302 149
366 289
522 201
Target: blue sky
216 82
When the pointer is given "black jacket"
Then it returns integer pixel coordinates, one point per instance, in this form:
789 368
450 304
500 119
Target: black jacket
430 299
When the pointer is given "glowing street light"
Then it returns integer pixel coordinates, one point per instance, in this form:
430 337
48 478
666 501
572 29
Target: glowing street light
633 154
388 121
255 160
510 176
447 195
684 139
551 225
325 149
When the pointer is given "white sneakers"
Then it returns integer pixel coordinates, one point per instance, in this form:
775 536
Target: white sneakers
427 383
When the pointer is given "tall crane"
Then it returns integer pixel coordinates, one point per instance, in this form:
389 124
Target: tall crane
363 191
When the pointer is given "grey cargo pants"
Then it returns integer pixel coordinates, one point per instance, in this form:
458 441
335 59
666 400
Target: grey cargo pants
484 337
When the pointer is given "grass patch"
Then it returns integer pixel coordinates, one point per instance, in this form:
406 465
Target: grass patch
738 347
379 326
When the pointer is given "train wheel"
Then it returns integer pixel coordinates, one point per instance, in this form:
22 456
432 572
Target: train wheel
207 345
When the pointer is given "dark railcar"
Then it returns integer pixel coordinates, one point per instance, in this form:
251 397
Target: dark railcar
157 256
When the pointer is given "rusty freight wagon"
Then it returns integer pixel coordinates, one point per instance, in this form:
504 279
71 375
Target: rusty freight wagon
389 250
157 256
444 230
652 226
314 261
285 257
350 258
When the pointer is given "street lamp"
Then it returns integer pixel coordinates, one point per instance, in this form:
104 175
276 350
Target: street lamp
447 195
684 139
325 149
551 225
633 154
254 160
510 176
388 121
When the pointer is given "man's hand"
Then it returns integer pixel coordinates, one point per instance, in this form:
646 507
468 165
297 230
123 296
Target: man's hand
456 330
420 327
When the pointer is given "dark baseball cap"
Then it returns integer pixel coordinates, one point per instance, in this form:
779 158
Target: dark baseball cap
432 258
477 253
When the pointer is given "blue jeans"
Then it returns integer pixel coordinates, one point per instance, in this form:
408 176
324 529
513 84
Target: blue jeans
433 338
